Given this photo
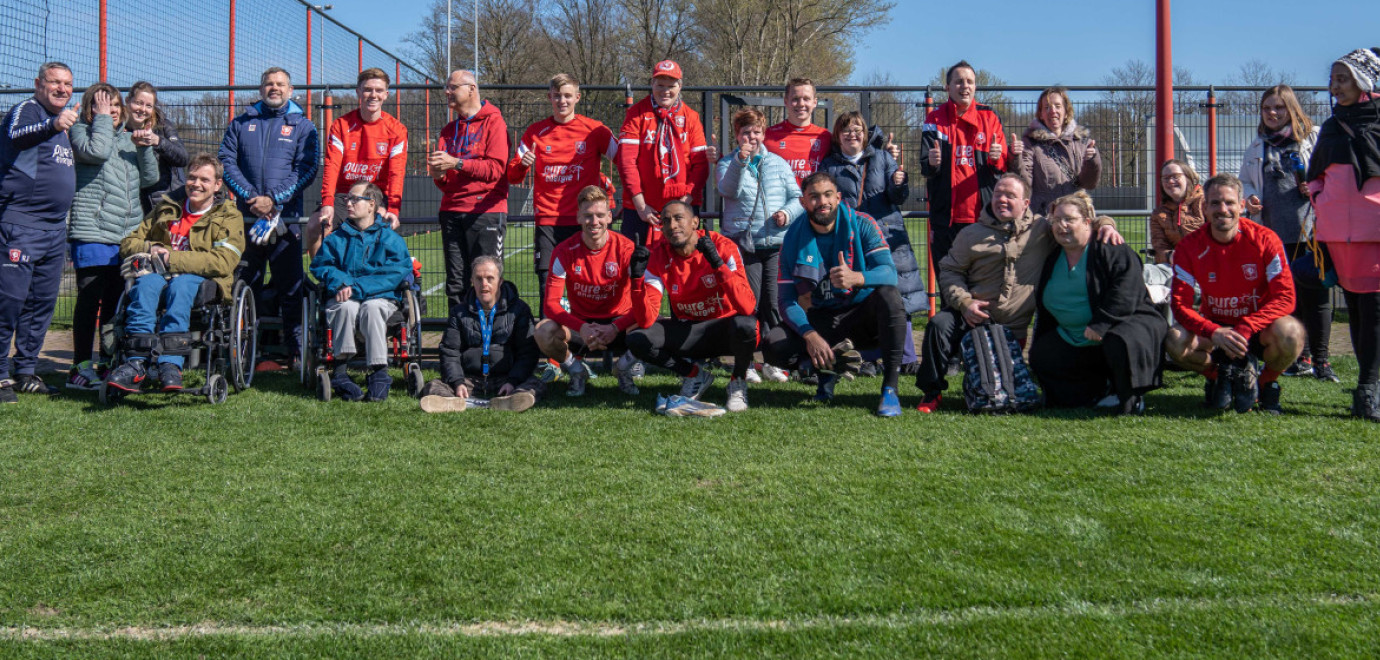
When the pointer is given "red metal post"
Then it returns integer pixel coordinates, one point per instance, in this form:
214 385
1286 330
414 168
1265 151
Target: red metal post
102 40
1212 131
309 115
231 59
931 285
361 55
1164 86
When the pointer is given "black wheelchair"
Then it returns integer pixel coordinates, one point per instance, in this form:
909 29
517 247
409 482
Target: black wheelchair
223 342
404 341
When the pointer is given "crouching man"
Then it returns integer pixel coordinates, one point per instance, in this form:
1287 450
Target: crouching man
195 236
488 349
361 265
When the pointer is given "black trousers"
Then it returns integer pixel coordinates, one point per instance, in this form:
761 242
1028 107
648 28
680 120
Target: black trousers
762 268
1364 309
943 241
1079 376
465 237
941 343
98 293
1313 308
675 344
281 262
878 322
545 242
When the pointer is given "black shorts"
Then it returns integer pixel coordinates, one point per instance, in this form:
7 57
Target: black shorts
577 345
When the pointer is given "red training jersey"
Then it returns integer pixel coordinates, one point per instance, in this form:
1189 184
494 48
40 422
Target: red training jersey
801 146
357 152
477 184
972 132
697 292
567 160
181 231
1245 284
595 282
638 150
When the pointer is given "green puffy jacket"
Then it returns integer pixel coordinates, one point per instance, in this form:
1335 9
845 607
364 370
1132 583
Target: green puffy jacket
214 246
110 173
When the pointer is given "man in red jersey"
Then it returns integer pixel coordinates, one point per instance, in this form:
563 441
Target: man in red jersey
468 166
1247 295
662 155
590 271
797 140
367 145
712 307
962 152
563 153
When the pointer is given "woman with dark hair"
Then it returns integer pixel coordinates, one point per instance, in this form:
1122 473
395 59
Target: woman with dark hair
1344 178
1096 331
112 166
146 115
1276 195
1180 209
1056 155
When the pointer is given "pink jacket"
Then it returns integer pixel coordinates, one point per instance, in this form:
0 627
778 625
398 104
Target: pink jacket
1349 223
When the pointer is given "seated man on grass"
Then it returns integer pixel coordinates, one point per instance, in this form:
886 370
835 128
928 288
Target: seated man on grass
195 236
488 349
360 266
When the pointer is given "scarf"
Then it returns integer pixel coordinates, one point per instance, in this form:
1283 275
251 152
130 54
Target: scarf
667 144
811 271
1351 136
1278 138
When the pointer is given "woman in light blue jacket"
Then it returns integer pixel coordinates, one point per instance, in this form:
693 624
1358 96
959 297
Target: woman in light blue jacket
112 166
760 200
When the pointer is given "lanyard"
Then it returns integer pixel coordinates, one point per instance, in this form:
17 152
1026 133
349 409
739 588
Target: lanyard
486 331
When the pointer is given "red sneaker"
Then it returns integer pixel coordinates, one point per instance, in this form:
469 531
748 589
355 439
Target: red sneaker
929 403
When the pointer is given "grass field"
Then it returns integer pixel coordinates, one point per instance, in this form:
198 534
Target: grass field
275 525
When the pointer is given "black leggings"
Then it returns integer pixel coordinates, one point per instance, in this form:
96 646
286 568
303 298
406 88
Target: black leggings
1364 309
879 321
98 292
675 344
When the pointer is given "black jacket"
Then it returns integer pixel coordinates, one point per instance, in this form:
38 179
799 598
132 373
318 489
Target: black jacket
172 158
513 353
1120 306
1351 136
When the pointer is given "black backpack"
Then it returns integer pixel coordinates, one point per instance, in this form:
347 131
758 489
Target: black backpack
995 377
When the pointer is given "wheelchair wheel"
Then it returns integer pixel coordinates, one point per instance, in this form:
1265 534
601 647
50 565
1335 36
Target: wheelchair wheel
323 385
244 337
307 362
413 319
415 380
108 395
217 389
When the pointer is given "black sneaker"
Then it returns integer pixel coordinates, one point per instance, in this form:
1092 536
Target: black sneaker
1301 367
1220 395
1269 398
31 384
1365 402
1133 405
127 377
1243 385
1322 370
7 394
170 376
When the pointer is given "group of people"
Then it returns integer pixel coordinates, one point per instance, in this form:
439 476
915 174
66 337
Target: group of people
812 263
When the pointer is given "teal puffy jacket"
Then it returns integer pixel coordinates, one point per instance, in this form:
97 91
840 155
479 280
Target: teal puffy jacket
110 173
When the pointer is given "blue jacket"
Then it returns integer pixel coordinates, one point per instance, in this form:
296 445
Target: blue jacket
373 262
38 175
806 258
882 200
270 151
752 195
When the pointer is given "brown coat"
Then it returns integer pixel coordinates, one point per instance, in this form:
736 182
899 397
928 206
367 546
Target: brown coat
1171 222
1057 164
1000 262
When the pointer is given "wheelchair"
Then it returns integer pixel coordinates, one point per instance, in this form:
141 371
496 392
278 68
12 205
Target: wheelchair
404 340
223 342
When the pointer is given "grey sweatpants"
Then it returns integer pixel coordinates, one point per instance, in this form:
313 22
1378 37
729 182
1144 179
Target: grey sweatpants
345 317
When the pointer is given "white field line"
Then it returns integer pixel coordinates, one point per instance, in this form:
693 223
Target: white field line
560 628
437 287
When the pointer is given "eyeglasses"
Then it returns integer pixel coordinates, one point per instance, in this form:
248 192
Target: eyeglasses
1173 177
855 131
352 199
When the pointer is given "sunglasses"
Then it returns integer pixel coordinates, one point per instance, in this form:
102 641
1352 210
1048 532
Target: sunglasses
351 199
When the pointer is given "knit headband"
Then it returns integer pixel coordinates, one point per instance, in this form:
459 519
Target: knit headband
1364 66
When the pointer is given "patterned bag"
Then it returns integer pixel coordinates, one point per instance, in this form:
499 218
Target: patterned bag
995 377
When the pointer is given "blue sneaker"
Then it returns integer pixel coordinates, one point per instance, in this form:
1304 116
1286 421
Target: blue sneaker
890 405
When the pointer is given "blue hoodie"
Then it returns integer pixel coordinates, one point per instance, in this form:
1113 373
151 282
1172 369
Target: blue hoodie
270 151
373 262
38 177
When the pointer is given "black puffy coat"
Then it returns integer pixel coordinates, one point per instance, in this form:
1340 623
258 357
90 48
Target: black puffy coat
513 353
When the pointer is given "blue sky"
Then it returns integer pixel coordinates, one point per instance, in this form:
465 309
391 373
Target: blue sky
1074 42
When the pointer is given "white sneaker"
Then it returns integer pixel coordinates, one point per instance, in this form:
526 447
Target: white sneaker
693 387
579 377
737 395
622 369
771 373
753 376
432 403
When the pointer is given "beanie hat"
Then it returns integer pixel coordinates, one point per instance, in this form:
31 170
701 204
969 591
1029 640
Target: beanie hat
1364 66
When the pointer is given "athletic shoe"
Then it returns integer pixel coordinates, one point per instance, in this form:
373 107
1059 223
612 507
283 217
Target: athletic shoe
170 377
1133 405
84 376
1221 396
1243 385
622 369
868 369
824 392
516 402
549 373
929 403
1209 393
379 381
7 394
890 405
1365 402
1269 398
127 377
1301 367
1322 370
693 387
579 377
770 372
752 376
684 407
737 395
31 384
345 388
432 403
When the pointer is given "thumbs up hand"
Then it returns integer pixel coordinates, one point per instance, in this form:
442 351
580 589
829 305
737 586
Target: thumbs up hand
711 150
1017 146
1091 151
893 148
843 277
994 151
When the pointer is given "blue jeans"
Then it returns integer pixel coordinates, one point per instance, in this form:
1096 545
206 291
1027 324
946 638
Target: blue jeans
178 295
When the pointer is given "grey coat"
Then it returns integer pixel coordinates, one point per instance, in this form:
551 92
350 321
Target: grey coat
110 173
1055 164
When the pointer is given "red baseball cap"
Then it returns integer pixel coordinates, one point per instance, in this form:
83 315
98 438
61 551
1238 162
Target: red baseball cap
667 68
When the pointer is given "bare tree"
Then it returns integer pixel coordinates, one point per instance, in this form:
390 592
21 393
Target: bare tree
586 38
658 30
511 43
754 42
